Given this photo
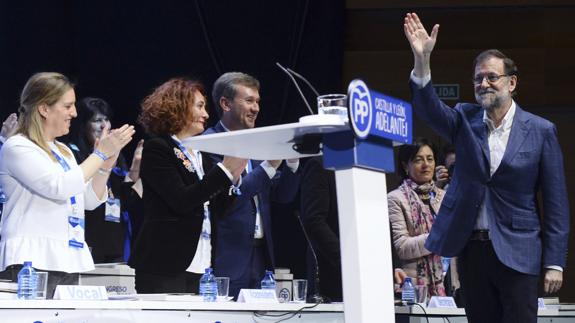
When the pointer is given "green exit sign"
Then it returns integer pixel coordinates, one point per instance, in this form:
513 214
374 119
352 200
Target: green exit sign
447 91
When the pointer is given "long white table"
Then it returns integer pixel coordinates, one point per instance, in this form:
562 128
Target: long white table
59 311
415 314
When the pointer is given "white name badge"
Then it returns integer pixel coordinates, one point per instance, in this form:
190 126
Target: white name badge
254 296
442 302
113 210
74 292
76 232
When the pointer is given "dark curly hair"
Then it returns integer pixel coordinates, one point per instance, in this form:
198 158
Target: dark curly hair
167 110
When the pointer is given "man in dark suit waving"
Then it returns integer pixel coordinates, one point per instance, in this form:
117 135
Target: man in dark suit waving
244 245
489 216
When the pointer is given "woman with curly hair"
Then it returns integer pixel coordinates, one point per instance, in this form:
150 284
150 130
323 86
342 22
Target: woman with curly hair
183 193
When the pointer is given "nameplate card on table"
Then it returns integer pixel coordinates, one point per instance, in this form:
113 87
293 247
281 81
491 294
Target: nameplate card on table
442 302
261 296
74 292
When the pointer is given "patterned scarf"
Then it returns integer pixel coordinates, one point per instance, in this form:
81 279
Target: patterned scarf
429 268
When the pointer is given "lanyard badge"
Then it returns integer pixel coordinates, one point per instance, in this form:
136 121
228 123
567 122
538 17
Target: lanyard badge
76 223
113 210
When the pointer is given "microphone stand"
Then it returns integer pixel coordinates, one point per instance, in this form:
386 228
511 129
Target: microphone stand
287 71
316 297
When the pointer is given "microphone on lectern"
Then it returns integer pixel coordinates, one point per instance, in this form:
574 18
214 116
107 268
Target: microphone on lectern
303 79
287 71
316 297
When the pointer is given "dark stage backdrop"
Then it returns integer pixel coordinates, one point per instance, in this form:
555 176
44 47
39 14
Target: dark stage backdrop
120 50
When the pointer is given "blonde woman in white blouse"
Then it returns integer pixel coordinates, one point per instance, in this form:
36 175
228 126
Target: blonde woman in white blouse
46 190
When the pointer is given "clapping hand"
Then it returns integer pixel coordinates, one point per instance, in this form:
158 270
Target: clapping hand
134 172
441 176
9 126
235 165
111 142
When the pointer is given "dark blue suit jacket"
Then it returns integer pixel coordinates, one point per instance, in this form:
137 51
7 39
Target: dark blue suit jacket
235 230
523 238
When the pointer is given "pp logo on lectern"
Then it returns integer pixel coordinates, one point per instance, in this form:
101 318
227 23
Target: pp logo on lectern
359 108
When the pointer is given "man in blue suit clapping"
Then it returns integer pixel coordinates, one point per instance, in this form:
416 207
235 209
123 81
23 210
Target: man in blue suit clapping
243 237
489 217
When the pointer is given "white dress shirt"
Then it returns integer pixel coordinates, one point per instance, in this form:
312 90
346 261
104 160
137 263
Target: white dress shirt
34 225
497 140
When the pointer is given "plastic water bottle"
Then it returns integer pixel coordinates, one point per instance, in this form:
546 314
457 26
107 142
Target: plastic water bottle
27 281
208 286
269 282
408 292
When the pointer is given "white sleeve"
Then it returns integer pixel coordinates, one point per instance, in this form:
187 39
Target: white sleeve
228 173
293 166
34 169
91 200
268 168
421 82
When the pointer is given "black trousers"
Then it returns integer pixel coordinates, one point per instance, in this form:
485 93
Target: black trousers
495 293
184 282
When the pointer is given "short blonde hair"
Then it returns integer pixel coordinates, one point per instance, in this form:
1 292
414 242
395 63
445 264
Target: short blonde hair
41 88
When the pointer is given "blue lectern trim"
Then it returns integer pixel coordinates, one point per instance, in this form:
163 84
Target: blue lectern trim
342 150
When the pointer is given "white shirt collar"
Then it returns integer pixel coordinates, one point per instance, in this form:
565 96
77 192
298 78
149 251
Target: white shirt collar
505 123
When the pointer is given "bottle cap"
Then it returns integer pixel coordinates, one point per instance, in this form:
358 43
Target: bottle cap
208 270
28 263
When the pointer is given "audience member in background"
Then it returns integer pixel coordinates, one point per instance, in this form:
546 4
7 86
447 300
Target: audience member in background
47 191
444 171
320 218
413 207
245 245
107 226
9 127
443 175
184 194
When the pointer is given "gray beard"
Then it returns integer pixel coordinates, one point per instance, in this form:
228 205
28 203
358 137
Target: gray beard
489 104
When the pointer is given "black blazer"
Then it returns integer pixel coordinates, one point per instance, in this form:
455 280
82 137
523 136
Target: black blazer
173 208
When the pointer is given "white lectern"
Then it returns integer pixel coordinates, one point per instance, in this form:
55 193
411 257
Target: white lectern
361 193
